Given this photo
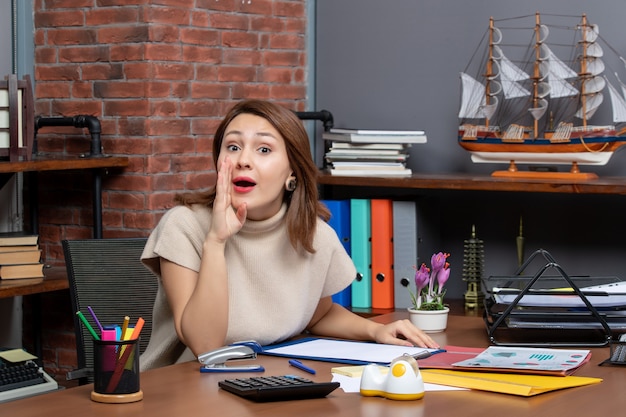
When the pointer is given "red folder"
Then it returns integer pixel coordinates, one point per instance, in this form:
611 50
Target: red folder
382 253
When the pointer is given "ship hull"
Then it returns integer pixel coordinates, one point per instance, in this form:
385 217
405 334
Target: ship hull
594 150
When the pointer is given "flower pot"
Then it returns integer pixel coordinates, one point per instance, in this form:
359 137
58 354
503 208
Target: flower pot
429 321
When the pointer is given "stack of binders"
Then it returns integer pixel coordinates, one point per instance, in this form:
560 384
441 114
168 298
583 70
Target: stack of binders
381 237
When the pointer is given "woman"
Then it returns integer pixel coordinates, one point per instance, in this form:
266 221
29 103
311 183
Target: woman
253 258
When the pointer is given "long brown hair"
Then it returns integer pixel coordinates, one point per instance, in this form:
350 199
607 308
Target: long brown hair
303 206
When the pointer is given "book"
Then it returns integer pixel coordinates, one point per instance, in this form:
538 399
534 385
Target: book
18 248
20 257
366 158
376 132
368 146
17 239
368 165
375 138
21 271
370 173
363 152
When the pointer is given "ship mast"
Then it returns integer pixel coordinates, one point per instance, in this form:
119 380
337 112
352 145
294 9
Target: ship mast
536 72
583 71
489 69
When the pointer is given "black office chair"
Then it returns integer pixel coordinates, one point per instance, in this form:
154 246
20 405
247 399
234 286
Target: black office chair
107 274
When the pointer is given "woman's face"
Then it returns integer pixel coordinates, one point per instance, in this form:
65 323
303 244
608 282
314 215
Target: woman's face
260 165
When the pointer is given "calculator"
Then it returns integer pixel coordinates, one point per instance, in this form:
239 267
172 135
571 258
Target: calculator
277 388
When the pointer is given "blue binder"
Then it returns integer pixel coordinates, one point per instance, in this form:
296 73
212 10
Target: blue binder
361 240
340 221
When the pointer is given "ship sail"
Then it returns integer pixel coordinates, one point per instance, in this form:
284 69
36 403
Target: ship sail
473 100
510 75
619 104
592 67
557 74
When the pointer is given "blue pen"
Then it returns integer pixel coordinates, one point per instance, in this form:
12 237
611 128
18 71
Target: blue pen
301 366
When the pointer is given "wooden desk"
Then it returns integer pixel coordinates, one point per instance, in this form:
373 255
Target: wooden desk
181 390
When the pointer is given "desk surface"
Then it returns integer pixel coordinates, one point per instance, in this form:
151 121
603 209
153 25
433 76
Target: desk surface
181 390
55 279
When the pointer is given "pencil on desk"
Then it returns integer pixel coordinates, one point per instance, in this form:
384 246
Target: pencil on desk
121 363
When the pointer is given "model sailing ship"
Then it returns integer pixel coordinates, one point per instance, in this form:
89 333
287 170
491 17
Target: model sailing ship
536 109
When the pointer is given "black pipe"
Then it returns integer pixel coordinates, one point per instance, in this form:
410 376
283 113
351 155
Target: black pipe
323 115
81 121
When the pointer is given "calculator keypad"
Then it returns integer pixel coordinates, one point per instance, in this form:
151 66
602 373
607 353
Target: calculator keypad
277 388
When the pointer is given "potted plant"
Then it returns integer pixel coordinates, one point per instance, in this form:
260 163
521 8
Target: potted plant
429 312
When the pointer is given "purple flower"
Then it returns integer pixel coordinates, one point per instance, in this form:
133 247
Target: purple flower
438 261
421 277
442 277
429 283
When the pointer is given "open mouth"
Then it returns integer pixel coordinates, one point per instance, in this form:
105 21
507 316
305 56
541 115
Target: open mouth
244 183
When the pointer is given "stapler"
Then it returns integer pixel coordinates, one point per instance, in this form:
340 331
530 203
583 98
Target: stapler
215 360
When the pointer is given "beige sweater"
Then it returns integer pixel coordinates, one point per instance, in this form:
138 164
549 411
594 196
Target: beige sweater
273 290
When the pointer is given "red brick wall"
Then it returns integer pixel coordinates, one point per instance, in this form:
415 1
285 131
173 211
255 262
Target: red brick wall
159 75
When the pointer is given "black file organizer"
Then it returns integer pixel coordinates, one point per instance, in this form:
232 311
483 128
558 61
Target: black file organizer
516 325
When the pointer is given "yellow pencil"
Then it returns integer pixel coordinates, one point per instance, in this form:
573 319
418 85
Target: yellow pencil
125 326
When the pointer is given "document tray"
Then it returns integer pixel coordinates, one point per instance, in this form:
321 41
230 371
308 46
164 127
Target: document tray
553 309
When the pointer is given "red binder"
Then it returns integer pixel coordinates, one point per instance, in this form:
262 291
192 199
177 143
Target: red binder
382 253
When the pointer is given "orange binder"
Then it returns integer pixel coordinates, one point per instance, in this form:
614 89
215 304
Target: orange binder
382 253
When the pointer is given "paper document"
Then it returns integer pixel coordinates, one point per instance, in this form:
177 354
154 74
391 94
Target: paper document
343 351
353 384
605 295
527 360
524 385
16 355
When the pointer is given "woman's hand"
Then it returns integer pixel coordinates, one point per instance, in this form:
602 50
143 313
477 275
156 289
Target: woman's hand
403 332
333 320
227 220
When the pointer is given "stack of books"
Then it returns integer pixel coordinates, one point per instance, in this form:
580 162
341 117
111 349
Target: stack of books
20 256
354 152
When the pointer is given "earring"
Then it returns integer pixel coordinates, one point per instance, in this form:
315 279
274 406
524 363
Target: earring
291 184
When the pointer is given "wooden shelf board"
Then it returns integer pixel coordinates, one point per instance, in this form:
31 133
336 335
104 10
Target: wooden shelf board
62 163
602 185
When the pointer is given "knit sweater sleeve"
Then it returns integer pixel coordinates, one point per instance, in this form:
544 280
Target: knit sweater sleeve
341 270
178 238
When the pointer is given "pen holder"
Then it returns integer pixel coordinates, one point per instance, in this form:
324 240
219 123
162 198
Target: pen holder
116 371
